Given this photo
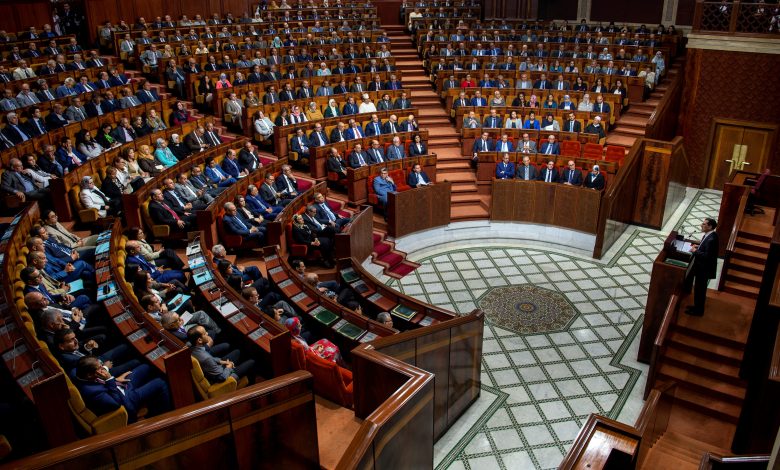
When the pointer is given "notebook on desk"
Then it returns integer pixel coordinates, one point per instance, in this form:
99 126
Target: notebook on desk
682 246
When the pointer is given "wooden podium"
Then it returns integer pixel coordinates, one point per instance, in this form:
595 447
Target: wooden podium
670 270
418 209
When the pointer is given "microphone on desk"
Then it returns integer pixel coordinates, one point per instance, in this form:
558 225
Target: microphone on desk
159 343
13 364
32 370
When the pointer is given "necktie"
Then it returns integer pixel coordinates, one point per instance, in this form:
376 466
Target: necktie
24 136
38 125
176 196
526 173
150 95
172 212
484 146
360 160
570 175
548 176
549 149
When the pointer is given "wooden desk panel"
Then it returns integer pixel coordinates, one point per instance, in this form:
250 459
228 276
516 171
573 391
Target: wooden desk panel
569 207
418 209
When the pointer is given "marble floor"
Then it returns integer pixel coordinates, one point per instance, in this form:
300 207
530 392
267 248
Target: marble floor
539 388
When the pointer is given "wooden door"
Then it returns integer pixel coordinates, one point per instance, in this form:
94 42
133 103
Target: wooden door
738 146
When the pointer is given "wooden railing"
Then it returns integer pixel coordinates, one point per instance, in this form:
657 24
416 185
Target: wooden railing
249 428
732 241
738 17
659 345
402 406
605 443
662 124
712 461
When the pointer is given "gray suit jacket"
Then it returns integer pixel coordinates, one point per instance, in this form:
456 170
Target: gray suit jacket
533 173
212 369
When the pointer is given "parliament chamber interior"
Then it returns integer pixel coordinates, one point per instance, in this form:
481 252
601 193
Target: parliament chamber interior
343 234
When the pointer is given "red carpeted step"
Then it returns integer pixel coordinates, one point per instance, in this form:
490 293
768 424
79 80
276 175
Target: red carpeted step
382 247
391 258
402 269
378 237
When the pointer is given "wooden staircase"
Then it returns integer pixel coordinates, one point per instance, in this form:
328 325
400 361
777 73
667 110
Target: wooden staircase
444 140
678 452
705 367
746 266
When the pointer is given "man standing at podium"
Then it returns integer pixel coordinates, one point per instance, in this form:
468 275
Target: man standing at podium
705 265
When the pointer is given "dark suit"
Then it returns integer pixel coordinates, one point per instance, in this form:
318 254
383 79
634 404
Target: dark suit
553 175
248 161
143 389
354 159
411 180
705 267
572 126
160 215
576 176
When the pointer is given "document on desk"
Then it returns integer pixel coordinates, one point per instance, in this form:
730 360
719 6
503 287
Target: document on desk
682 246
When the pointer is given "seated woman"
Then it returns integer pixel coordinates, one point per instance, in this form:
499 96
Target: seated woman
163 154
92 198
154 122
179 115
84 246
223 82
619 89
140 127
322 348
206 89
323 71
283 118
177 147
332 110
147 162
571 68
513 121
201 49
165 257
550 103
133 168
104 137
313 112
599 87
520 101
87 145
550 123
417 147
580 85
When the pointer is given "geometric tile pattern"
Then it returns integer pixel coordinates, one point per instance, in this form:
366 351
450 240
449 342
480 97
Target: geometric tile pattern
552 380
526 308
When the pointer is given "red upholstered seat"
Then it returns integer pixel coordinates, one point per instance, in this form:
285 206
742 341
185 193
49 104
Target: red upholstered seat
570 148
330 380
615 153
298 356
297 250
594 151
228 240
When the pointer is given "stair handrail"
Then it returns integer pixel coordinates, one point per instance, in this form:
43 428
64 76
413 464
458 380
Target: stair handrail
670 316
731 245
653 419
711 460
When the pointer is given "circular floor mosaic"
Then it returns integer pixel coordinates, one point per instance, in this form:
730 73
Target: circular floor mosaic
527 309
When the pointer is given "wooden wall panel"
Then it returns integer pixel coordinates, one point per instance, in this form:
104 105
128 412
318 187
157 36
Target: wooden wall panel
557 9
236 7
685 12
19 16
744 90
622 11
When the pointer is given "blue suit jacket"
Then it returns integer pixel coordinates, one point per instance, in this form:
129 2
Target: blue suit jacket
576 178
556 149
374 129
351 133
396 153
350 109
382 187
510 146
256 204
535 125
492 121
143 97
212 174
411 180
231 167
102 398
478 101
64 160
295 145
42 289
233 225
505 171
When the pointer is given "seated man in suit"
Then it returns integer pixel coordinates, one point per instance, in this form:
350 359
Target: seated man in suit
101 394
325 215
526 171
248 158
161 213
200 182
550 147
270 194
594 180
504 145
572 124
505 169
216 175
134 256
68 352
216 362
16 181
300 144
374 127
396 151
286 183
571 175
317 137
595 127
382 185
230 165
93 198
549 174
235 225
258 206
526 145
188 192
337 164
483 144
417 177
317 227
302 234
358 157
